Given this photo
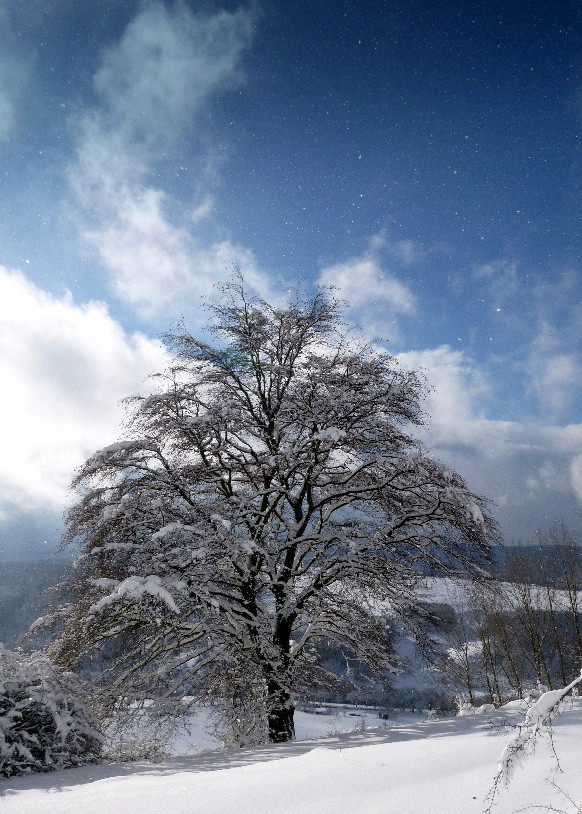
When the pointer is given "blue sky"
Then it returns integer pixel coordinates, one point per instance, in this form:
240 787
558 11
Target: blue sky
423 158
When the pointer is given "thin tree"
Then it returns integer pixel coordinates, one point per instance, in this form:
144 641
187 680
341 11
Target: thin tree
270 494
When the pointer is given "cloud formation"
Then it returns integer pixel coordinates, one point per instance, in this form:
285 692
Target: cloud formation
554 352
7 115
150 88
554 372
373 295
531 471
540 320
576 476
64 369
529 465
164 68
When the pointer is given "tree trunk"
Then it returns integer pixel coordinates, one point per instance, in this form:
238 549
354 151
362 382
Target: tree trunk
280 714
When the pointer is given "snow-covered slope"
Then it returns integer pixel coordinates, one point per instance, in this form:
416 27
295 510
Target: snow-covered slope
422 767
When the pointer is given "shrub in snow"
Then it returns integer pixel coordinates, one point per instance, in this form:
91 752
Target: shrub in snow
140 728
44 722
538 719
131 746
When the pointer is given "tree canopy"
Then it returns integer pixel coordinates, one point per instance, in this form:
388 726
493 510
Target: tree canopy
270 494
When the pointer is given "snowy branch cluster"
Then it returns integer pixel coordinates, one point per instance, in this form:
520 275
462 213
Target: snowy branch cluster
44 723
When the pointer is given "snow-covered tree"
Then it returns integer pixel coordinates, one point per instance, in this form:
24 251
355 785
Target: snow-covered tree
45 722
270 494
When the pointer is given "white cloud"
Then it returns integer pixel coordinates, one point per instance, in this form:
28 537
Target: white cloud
576 476
455 385
150 87
533 472
64 369
362 281
374 296
554 378
150 258
164 68
539 317
554 370
155 263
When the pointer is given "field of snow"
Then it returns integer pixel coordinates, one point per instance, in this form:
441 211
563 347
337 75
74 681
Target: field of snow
453 591
323 721
408 767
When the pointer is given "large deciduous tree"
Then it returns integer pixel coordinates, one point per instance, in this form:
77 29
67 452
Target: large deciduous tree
270 494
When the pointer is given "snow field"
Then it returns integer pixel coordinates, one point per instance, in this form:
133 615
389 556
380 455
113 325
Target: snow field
422 767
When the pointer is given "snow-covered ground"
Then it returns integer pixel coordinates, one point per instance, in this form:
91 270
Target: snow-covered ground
453 591
411 766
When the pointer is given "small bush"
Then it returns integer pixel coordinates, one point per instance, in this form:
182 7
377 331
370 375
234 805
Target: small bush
44 722
133 747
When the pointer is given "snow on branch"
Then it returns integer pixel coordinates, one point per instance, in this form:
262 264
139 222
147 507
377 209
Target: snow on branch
522 742
136 588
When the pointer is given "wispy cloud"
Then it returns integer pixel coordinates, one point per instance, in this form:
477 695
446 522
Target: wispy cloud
362 281
165 67
532 469
7 117
151 86
501 281
458 388
540 320
406 252
15 73
554 370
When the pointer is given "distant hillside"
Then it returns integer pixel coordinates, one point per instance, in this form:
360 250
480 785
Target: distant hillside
539 558
23 597
24 585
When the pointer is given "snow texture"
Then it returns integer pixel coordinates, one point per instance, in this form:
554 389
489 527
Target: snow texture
410 767
523 742
135 588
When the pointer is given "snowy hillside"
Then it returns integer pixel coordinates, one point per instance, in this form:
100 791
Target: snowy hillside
409 767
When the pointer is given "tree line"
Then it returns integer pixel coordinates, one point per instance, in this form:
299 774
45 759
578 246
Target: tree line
523 630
